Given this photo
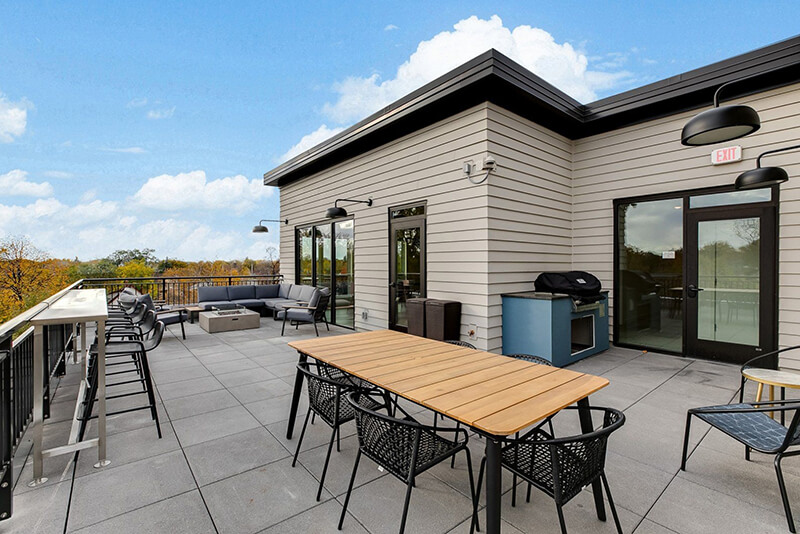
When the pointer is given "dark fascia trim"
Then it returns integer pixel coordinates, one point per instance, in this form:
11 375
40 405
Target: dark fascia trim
496 78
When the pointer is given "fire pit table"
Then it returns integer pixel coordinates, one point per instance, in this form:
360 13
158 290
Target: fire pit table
227 318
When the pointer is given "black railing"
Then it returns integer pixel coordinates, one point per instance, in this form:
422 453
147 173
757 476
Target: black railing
178 290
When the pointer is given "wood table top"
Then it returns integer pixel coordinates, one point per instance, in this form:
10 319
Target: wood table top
496 394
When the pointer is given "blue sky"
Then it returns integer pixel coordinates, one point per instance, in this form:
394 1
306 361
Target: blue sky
151 123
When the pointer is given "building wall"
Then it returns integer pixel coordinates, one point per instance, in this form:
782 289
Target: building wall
425 165
648 158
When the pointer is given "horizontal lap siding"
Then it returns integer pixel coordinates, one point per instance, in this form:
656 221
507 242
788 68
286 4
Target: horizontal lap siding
426 165
648 158
530 209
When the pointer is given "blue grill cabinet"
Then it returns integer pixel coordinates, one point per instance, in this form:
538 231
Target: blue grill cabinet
547 325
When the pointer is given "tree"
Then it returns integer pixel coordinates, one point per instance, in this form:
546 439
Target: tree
104 268
135 269
23 268
273 260
121 257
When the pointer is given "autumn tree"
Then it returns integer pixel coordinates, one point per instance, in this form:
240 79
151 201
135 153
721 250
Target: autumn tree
23 268
122 257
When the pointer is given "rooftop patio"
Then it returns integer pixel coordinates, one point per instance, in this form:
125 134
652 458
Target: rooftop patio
224 464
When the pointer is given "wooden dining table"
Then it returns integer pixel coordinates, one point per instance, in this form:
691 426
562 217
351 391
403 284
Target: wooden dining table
495 395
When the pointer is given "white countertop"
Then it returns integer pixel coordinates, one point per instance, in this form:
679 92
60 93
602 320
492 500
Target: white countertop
78 305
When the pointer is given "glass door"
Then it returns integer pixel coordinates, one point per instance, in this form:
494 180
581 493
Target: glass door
730 283
406 268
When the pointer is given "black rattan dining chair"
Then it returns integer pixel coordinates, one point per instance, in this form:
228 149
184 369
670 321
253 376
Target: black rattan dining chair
326 399
750 425
460 343
562 467
403 447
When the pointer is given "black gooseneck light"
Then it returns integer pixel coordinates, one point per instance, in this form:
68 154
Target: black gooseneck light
763 176
336 212
261 229
720 124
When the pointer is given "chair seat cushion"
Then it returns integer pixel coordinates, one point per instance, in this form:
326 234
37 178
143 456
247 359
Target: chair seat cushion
276 302
755 429
170 317
249 303
295 314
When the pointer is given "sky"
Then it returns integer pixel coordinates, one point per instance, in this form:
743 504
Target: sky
151 124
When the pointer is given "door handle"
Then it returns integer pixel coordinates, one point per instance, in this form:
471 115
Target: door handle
692 290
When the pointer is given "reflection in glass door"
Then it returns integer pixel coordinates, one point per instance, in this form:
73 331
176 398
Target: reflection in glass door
344 302
407 266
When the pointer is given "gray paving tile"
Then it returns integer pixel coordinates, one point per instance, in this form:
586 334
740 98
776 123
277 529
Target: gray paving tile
184 513
340 467
180 363
219 357
322 518
205 427
248 376
183 407
634 485
163 378
649 527
690 508
316 435
230 455
188 387
231 366
42 511
117 490
276 409
261 390
258 499
131 446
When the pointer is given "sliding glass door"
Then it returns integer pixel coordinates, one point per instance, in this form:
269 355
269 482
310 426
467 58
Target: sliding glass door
325 259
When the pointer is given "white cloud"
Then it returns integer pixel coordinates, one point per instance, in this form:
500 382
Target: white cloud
15 183
310 140
126 150
390 27
191 190
536 49
164 113
137 103
13 118
58 174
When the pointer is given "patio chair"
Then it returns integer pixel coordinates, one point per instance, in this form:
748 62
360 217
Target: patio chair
325 399
167 314
750 425
460 343
403 447
313 313
562 467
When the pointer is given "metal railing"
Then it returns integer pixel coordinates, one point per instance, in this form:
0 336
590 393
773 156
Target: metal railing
176 290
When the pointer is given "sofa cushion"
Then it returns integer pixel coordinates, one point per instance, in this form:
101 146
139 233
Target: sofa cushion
267 291
215 293
241 292
306 292
283 292
294 292
274 302
212 303
249 303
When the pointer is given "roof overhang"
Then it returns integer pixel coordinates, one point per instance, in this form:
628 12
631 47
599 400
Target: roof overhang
493 77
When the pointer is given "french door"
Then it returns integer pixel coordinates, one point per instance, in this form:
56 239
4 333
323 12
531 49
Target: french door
406 265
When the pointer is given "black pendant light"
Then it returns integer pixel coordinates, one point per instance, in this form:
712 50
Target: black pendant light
720 124
261 229
336 212
763 176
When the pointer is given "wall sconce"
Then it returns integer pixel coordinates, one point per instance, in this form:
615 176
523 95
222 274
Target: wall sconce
336 212
489 164
261 229
720 124
763 176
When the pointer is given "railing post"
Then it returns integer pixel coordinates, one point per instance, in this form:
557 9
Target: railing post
7 438
164 290
45 355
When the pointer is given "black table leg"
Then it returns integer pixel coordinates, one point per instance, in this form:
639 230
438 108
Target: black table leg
298 390
586 427
494 485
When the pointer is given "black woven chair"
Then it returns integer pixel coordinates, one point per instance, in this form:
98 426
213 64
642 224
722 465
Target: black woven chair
531 358
562 467
460 343
750 425
403 447
326 398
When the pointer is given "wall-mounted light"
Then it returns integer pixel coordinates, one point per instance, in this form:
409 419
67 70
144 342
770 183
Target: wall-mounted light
720 124
488 165
336 212
261 229
763 176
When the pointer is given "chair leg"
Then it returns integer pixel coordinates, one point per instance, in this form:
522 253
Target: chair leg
300 439
686 441
473 492
349 489
151 396
514 490
561 519
183 330
338 443
785 498
409 487
315 328
327 460
611 503
528 497
283 326
328 328
453 459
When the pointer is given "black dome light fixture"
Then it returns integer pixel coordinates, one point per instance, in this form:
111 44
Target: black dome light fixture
763 176
336 212
261 229
720 124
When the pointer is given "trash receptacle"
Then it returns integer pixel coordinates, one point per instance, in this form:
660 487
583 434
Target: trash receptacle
442 319
415 314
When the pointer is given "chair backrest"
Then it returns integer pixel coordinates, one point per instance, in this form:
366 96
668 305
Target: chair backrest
388 441
793 431
460 343
326 397
322 303
154 340
531 358
148 323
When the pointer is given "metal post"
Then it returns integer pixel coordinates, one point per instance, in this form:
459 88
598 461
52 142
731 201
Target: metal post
6 434
494 483
101 395
585 415
298 389
75 343
38 405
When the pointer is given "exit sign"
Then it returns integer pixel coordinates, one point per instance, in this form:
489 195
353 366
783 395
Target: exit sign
726 155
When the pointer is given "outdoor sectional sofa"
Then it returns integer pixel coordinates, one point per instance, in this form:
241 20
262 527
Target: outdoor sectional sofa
271 297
